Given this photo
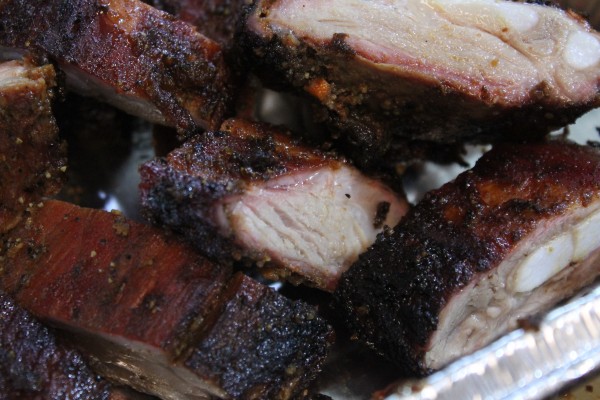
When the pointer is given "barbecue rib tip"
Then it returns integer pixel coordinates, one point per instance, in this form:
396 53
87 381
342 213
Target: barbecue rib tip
153 314
388 74
32 156
251 191
127 53
504 241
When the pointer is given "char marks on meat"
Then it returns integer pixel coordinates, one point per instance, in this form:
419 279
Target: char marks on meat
32 157
505 240
267 346
35 365
153 314
250 191
391 75
136 57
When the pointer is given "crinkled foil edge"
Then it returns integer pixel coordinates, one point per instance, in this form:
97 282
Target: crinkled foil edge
528 363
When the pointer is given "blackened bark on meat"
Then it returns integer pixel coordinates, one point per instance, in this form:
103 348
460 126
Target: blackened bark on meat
35 365
457 236
32 156
265 349
179 191
380 109
127 53
144 305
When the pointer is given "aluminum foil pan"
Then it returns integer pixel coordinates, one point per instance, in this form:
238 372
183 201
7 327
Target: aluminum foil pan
529 363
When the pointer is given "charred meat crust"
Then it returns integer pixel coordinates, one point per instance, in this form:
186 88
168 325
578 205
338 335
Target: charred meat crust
374 113
392 297
180 190
34 365
152 291
32 156
234 193
130 50
265 349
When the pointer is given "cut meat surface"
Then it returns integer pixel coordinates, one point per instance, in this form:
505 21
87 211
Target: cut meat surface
249 190
127 53
146 308
32 157
504 241
389 73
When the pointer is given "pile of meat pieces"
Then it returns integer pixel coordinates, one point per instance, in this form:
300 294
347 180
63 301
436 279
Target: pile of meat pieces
146 309
165 310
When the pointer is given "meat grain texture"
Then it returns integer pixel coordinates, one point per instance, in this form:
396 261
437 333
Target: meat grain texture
505 240
400 80
249 191
153 314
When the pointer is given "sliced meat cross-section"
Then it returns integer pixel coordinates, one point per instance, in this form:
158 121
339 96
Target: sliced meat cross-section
250 191
392 75
504 241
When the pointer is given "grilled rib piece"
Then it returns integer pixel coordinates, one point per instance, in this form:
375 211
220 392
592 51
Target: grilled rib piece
32 157
34 365
151 313
395 74
249 190
505 240
136 57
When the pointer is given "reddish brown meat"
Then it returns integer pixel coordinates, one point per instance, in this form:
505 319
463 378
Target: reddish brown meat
32 157
394 78
505 240
128 53
250 191
145 308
